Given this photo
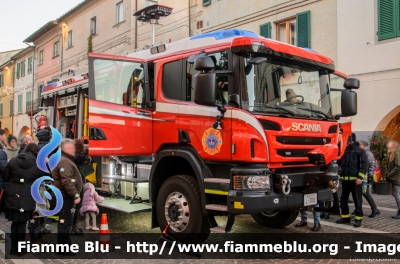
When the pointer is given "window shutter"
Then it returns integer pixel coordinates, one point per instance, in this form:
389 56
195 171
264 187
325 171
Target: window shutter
11 106
265 30
398 17
206 2
40 88
19 103
18 65
303 29
387 19
1 109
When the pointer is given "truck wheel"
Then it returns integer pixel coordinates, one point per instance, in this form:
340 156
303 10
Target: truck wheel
179 203
275 219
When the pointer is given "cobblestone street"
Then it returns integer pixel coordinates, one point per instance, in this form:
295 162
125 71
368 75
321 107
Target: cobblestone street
140 223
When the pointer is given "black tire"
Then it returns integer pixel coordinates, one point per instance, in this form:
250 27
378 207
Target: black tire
197 228
276 219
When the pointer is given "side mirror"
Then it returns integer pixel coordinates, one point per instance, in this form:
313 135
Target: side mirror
351 83
204 81
349 103
205 88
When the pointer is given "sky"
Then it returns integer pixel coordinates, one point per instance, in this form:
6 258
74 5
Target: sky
20 18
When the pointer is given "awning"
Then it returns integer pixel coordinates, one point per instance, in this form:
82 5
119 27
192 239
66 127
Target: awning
66 89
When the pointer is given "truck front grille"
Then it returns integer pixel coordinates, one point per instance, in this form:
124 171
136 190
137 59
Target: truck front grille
303 140
293 152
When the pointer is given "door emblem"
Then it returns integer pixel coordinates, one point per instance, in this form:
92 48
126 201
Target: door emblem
212 141
276 200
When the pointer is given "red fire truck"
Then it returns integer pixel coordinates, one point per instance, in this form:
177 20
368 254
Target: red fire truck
222 123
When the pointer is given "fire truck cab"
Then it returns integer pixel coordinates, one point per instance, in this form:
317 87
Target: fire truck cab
224 123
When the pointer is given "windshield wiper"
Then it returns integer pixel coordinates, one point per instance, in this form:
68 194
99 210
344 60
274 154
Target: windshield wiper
316 111
281 108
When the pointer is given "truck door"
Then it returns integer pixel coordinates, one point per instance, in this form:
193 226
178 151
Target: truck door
119 124
197 120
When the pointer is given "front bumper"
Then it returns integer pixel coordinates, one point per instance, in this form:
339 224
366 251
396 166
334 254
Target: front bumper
256 202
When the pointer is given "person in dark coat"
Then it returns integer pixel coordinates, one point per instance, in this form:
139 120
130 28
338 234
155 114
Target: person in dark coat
3 157
25 140
81 157
371 171
393 175
44 136
68 180
20 173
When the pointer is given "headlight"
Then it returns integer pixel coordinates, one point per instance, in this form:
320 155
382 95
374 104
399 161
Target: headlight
251 182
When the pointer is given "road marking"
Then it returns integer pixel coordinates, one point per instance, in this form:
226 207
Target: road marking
347 227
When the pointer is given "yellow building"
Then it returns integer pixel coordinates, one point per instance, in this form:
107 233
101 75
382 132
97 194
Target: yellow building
7 76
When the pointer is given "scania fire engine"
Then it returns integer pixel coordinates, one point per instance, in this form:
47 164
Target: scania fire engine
222 123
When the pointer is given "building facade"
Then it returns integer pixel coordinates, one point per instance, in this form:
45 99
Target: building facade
23 91
308 24
369 49
7 75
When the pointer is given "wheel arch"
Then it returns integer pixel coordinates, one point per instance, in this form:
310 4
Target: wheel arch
174 160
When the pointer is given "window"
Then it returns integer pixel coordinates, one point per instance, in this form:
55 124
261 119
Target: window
199 24
93 26
41 57
295 31
56 49
119 82
1 109
265 30
1 79
18 66
28 96
119 12
388 19
206 2
172 80
292 90
11 106
40 88
20 103
69 40
23 68
30 65
286 31
220 59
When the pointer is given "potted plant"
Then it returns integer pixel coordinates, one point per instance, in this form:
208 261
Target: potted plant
378 144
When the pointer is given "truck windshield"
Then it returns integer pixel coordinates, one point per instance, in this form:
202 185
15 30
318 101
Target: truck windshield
285 90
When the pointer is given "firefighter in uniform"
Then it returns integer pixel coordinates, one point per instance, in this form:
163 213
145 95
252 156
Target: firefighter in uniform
353 169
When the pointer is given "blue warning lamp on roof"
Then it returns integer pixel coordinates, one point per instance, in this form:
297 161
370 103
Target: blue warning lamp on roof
228 33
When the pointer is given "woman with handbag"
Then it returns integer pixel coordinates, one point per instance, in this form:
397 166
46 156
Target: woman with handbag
393 175
83 163
20 173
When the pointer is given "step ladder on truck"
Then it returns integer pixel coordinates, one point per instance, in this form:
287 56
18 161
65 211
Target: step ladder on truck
222 123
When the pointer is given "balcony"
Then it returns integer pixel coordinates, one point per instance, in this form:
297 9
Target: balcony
33 105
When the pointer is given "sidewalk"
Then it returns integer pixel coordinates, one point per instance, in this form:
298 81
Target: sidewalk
139 223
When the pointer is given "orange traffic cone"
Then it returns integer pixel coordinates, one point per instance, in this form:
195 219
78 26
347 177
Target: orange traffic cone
104 234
